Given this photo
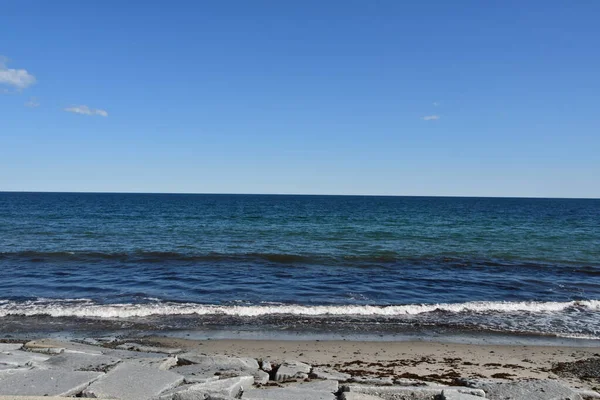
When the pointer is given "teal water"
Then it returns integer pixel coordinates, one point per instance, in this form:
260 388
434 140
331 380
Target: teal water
507 265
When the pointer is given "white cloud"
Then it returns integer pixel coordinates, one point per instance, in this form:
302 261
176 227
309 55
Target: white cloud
431 118
33 102
435 103
16 78
85 110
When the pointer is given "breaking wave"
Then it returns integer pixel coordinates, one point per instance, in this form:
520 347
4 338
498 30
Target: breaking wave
86 308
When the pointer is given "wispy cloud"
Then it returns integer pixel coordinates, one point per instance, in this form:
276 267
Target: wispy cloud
85 110
436 103
33 102
431 118
16 78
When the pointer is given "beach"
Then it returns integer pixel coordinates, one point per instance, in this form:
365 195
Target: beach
329 369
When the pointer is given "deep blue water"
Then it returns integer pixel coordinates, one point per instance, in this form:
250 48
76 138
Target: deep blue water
522 265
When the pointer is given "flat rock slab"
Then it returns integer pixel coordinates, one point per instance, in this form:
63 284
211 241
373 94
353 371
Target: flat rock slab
527 390
410 392
80 362
148 349
133 382
330 386
230 387
220 363
10 346
37 382
358 396
291 369
288 393
454 395
327 373
162 363
54 346
37 398
21 358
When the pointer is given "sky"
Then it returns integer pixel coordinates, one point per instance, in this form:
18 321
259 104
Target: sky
444 98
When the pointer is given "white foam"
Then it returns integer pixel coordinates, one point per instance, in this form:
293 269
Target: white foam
85 308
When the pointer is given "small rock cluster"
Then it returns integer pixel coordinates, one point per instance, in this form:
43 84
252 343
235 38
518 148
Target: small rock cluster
107 369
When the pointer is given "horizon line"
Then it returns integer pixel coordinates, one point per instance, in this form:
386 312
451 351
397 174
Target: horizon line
298 194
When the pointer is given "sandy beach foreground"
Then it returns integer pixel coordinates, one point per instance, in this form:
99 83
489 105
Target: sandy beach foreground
167 368
424 360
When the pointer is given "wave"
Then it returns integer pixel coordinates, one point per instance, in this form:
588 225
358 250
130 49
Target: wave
85 308
378 258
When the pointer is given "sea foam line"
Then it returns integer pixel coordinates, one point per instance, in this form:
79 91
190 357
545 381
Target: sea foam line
85 308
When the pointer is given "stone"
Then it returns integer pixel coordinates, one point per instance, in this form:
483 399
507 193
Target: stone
36 398
163 363
454 395
358 396
266 366
588 394
291 369
231 387
130 381
287 393
201 379
147 349
374 380
220 363
530 390
37 382
10 346
325 373
21 358
409 392
80 362
70 347
261 377
330 386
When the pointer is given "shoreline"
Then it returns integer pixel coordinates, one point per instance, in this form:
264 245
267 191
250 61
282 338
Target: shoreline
330 369
424 359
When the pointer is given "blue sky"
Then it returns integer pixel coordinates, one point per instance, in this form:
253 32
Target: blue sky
323 97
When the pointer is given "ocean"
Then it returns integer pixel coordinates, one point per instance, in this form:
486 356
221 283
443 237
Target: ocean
285 264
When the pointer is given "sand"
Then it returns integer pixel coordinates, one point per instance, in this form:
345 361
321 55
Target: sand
438 362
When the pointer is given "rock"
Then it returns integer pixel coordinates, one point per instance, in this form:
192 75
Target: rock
220 363
41 347
588 394
201 379
324 373
147 349
21 358
10 346
37 382
409 392
35 398
193 371
163 364
70 347
291 369
129 381
454 395
330 386
230 387
261 377
266 366
530 390
358 396
375 380
287 393
80 362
